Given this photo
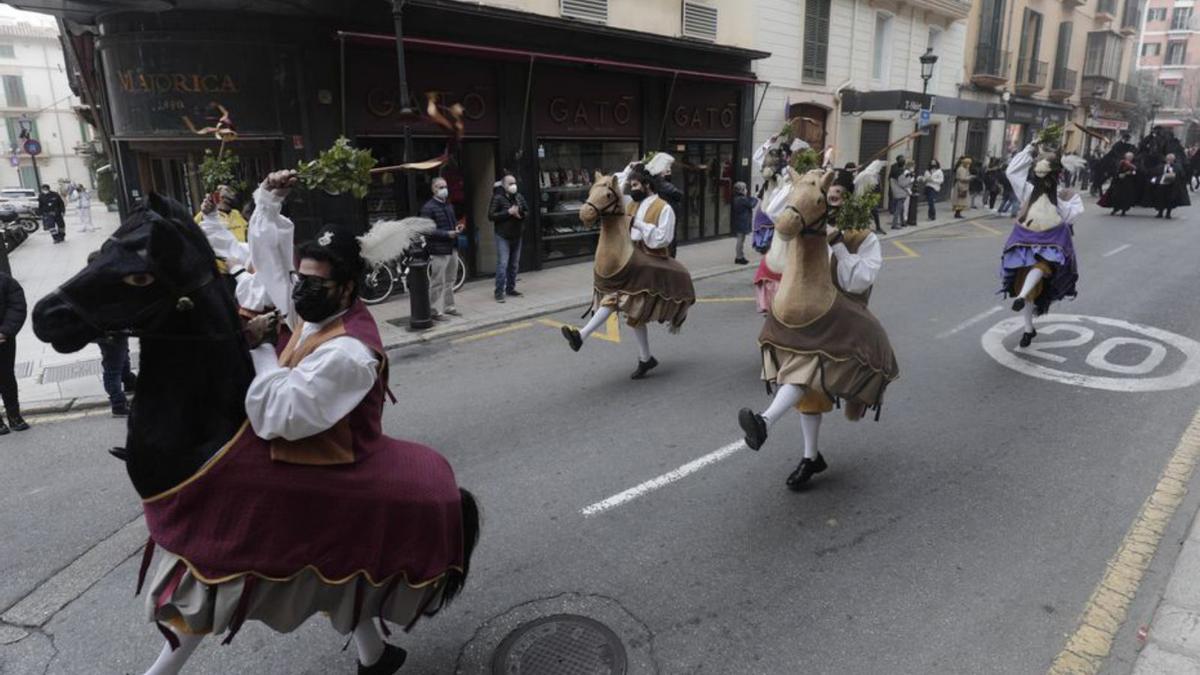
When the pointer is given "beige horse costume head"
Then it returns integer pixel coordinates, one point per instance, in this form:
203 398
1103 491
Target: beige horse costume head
806 205
806 290
604 203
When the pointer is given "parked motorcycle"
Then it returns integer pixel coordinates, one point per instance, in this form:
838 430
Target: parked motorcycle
21 216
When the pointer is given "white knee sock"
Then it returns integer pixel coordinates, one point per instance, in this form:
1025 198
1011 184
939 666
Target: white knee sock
171 662
598 320
642 334
368 641
1027 313
1031 280
785 399
811 426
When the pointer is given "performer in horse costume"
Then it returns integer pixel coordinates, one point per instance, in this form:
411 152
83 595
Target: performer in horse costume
820 344
1038 265
633 274
267 480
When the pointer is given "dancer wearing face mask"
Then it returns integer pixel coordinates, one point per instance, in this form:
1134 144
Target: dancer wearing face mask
1038 265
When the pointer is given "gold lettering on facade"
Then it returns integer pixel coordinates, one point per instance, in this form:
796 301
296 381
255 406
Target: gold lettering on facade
135 82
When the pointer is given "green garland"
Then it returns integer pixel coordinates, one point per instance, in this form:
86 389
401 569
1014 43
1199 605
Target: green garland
215 171
805 160
1051 136
342 168
855 211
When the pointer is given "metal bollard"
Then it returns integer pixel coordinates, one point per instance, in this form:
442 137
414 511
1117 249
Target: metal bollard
419 313
911 219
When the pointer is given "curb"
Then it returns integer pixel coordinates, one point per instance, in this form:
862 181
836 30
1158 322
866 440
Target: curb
65 405
428 337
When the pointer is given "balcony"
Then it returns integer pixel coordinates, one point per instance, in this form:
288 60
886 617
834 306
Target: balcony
991 67
1031 76
1110 94
1064 83
1072 4
1106 10
951 9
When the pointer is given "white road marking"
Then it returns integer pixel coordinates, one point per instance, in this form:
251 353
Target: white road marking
969 322
1186 374
663 480
1116 250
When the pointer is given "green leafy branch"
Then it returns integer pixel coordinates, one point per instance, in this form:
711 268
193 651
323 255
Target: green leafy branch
340 169
855 211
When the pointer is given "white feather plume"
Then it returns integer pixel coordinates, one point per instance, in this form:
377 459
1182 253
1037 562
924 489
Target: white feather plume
799 144
659 163
1074 163
868 179
388 239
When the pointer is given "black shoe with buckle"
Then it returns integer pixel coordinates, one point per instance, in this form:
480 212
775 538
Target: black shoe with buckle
1018 304
806 470
514 293
1027 338
643 368
754 426
17 423
573 337
391 661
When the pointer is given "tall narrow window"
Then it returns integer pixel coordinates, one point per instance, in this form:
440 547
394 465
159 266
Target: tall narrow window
880 66
1176 52
816 40
14 91
1181 18
8 52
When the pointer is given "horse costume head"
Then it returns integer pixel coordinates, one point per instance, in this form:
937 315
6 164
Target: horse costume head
147 274
604 198
806 205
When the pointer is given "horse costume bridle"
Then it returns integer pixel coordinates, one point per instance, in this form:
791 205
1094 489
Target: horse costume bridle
812 229
613 208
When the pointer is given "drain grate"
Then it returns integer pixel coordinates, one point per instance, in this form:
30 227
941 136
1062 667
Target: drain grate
23 369
563 644
71 371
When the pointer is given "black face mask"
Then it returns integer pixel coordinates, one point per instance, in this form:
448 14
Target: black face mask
314 302
637 195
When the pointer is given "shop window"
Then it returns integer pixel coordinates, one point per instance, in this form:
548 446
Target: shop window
816 40
566 170
14 91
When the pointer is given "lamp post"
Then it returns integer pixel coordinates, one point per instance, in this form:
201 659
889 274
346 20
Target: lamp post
928 60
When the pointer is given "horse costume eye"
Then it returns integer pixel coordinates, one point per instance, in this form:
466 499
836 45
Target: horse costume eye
139 280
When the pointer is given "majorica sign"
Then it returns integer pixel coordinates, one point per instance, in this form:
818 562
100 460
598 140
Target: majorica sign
137 82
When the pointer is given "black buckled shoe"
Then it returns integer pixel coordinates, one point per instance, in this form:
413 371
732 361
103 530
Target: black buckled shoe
1018 304
806 470
573 338
754 426
643 368
1027 338
391 661
3 428
17 423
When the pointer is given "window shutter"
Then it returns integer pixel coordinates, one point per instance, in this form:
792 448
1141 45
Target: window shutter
585 10
816 40
699 21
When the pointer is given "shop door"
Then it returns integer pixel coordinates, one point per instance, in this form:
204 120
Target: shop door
977 138
926 148
872 139
812 123
168 177
703 171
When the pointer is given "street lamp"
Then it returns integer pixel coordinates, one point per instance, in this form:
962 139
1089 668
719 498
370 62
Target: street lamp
928 59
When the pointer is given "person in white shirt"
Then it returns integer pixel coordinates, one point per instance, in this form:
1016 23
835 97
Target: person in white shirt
932 180
83 200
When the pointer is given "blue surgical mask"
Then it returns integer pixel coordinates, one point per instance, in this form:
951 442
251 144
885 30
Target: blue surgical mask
442 193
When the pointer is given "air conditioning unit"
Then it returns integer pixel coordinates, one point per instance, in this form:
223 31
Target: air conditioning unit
699 21
585 10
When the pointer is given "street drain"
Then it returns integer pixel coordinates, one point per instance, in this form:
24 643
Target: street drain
562 644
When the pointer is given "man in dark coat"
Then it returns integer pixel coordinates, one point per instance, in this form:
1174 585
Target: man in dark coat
507 212
51 209
442 245
12 317
743 212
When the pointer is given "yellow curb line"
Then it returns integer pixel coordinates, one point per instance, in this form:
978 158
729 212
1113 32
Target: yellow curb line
1105 612
491 333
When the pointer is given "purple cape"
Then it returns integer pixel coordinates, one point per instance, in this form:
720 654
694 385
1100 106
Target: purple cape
1026 247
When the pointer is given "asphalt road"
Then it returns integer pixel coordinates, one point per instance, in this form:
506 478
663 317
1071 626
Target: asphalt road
961 533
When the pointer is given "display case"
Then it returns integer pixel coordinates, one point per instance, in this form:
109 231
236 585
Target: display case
566 170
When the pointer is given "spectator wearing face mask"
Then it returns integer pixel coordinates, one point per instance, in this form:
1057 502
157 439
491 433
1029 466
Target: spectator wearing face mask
508 212
443 253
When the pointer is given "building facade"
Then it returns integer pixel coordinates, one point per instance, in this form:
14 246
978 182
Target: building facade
37 96
1049 63
550 90
1169 56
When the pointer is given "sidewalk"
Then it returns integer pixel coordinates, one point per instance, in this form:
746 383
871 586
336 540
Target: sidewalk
50 382
1173 644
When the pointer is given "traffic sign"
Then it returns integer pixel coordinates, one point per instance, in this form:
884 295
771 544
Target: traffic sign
923 120
33 146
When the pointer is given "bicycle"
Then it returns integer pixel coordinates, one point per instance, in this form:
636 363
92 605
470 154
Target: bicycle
386 278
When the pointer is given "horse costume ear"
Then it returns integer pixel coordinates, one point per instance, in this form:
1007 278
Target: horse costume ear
614 182
599 176
827 180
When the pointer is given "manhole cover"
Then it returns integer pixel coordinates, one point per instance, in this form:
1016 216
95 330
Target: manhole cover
563 644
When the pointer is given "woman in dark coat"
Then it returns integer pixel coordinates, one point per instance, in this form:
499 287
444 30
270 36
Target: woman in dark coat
1122 194
1169 187
743 211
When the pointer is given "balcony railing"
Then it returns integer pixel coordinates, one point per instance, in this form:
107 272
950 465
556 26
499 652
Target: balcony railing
1031 75
1064 83
991 66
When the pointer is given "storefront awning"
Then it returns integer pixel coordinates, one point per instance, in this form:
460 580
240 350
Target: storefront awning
912 101
524 55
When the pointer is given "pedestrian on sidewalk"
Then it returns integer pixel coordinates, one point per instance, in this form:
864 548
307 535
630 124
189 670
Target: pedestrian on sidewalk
12 317
669 192
932 180
83 200
51 208
962 186
976 185
743 212
901 183
443 253
117 376
507 213
991 183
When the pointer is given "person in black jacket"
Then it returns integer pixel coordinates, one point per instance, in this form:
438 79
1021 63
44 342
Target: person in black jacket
12 317
743 212
507 212
443 253
51 209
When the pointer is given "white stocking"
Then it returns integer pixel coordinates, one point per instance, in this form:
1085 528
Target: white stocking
1031 281
598 320
643 339
171 662
1027 313
810 424
368 641
785 399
